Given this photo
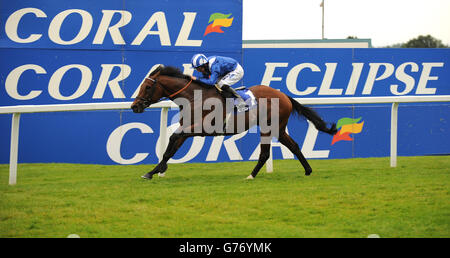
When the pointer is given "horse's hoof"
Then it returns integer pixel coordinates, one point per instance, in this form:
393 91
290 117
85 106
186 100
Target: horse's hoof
161 174
250 177
308 172
147 176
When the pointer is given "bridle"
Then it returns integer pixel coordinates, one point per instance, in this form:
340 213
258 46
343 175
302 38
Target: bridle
144 100
170 96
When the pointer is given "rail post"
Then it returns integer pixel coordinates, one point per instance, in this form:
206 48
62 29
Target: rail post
14 149
163 135
269 163
394 127
163 132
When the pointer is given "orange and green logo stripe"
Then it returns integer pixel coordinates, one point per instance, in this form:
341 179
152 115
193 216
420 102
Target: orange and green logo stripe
346 127
217 21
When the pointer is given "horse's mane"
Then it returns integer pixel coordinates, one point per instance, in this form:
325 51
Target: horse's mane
172 71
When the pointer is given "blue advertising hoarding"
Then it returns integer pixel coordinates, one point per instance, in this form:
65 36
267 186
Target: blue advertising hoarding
364 72
157 25
100 51
122 137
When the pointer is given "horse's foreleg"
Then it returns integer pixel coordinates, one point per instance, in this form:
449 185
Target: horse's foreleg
175 142
287 141
263 157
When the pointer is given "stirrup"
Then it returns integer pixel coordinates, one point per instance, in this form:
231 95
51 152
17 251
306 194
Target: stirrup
242 107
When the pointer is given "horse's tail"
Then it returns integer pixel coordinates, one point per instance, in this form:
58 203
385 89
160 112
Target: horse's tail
312 116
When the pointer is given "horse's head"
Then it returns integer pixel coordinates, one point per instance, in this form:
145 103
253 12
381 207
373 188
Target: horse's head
150 92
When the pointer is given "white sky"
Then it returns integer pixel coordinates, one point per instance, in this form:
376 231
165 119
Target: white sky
385 22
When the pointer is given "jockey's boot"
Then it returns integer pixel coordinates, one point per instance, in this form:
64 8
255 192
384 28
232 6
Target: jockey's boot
241 106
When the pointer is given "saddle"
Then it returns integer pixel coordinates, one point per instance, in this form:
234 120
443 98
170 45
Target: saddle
220 91
245 94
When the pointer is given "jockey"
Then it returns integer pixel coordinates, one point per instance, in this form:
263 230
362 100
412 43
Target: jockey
220 71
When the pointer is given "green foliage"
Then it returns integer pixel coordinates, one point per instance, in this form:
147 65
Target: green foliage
427 41
421 41
342 198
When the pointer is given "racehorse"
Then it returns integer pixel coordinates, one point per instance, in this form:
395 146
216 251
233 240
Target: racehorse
169 82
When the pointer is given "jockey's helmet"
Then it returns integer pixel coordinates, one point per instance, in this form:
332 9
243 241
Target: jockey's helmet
199 60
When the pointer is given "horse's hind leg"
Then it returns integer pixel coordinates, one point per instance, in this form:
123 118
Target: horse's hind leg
286 140
263 157
175 142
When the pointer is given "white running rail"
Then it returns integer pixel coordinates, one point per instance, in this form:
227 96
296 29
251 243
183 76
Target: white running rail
165 105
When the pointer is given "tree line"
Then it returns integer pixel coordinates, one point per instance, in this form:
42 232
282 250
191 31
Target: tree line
422 41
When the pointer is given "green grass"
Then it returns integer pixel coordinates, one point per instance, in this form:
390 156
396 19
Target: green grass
342 198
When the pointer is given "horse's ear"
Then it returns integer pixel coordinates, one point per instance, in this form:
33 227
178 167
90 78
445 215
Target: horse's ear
157 70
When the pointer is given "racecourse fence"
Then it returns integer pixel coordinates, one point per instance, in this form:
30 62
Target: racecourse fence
16 111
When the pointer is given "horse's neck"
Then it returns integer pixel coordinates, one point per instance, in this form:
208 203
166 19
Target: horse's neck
206 91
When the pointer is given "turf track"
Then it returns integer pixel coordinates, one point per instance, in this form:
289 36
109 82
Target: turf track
342 198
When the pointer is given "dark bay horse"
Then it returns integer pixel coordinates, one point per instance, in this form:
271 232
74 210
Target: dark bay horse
169 82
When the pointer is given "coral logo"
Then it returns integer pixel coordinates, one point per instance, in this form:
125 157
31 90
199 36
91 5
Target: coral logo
347 126
217 21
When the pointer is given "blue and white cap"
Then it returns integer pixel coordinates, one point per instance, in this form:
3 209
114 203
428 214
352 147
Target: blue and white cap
199 60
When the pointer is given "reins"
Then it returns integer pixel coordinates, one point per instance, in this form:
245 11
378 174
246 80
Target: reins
181 90
171 95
